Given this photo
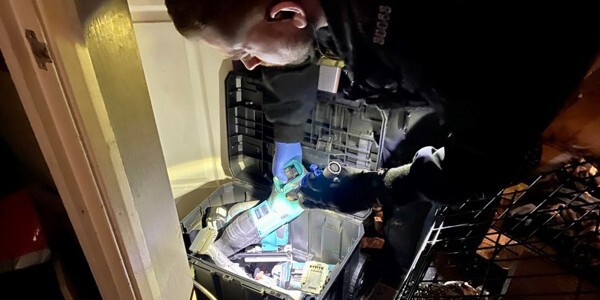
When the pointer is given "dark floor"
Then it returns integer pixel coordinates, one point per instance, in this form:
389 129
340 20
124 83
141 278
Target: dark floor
383 277
382 280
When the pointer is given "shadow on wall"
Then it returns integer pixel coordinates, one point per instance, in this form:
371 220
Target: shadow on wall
226 67
576 130
3 66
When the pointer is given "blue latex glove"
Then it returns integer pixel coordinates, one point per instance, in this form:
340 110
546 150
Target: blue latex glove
284 152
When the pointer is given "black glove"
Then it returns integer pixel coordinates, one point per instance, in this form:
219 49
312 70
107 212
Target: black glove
358 191
348 194
421 179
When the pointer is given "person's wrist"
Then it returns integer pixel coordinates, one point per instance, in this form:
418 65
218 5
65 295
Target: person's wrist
287 144
289 150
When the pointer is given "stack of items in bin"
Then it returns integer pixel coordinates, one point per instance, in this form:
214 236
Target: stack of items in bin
272 262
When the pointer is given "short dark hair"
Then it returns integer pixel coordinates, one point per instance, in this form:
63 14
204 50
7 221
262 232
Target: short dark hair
192 16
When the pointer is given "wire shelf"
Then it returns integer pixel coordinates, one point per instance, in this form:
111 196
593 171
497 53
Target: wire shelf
539 239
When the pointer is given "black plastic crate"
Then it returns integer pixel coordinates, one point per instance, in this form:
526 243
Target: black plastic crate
539 239
338 129
348 132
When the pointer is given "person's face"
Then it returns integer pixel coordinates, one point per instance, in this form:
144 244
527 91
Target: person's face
282 39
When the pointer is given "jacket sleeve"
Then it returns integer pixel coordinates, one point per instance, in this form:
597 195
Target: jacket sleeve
292 95
491 146
501 91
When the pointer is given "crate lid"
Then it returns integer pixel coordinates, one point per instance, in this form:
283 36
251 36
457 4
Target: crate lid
349 132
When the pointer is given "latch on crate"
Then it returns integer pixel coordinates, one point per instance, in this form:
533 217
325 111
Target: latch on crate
314 277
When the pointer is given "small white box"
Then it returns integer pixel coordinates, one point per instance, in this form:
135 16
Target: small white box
329 79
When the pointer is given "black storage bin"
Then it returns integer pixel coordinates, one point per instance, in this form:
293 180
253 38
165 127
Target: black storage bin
346 131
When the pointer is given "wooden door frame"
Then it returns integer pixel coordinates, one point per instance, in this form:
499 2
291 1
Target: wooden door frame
101 177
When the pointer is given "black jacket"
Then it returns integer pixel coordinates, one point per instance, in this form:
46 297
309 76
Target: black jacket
497 74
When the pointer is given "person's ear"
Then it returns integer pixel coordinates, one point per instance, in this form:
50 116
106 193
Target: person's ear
289 10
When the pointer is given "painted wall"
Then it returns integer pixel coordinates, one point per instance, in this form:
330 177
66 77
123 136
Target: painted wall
185 81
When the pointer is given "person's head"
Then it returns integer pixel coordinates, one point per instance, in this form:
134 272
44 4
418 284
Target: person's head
257 32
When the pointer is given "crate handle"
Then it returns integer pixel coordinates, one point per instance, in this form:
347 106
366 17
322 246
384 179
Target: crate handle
227 277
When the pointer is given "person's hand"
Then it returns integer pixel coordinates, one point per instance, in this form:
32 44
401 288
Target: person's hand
348 194
360 190
284 153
